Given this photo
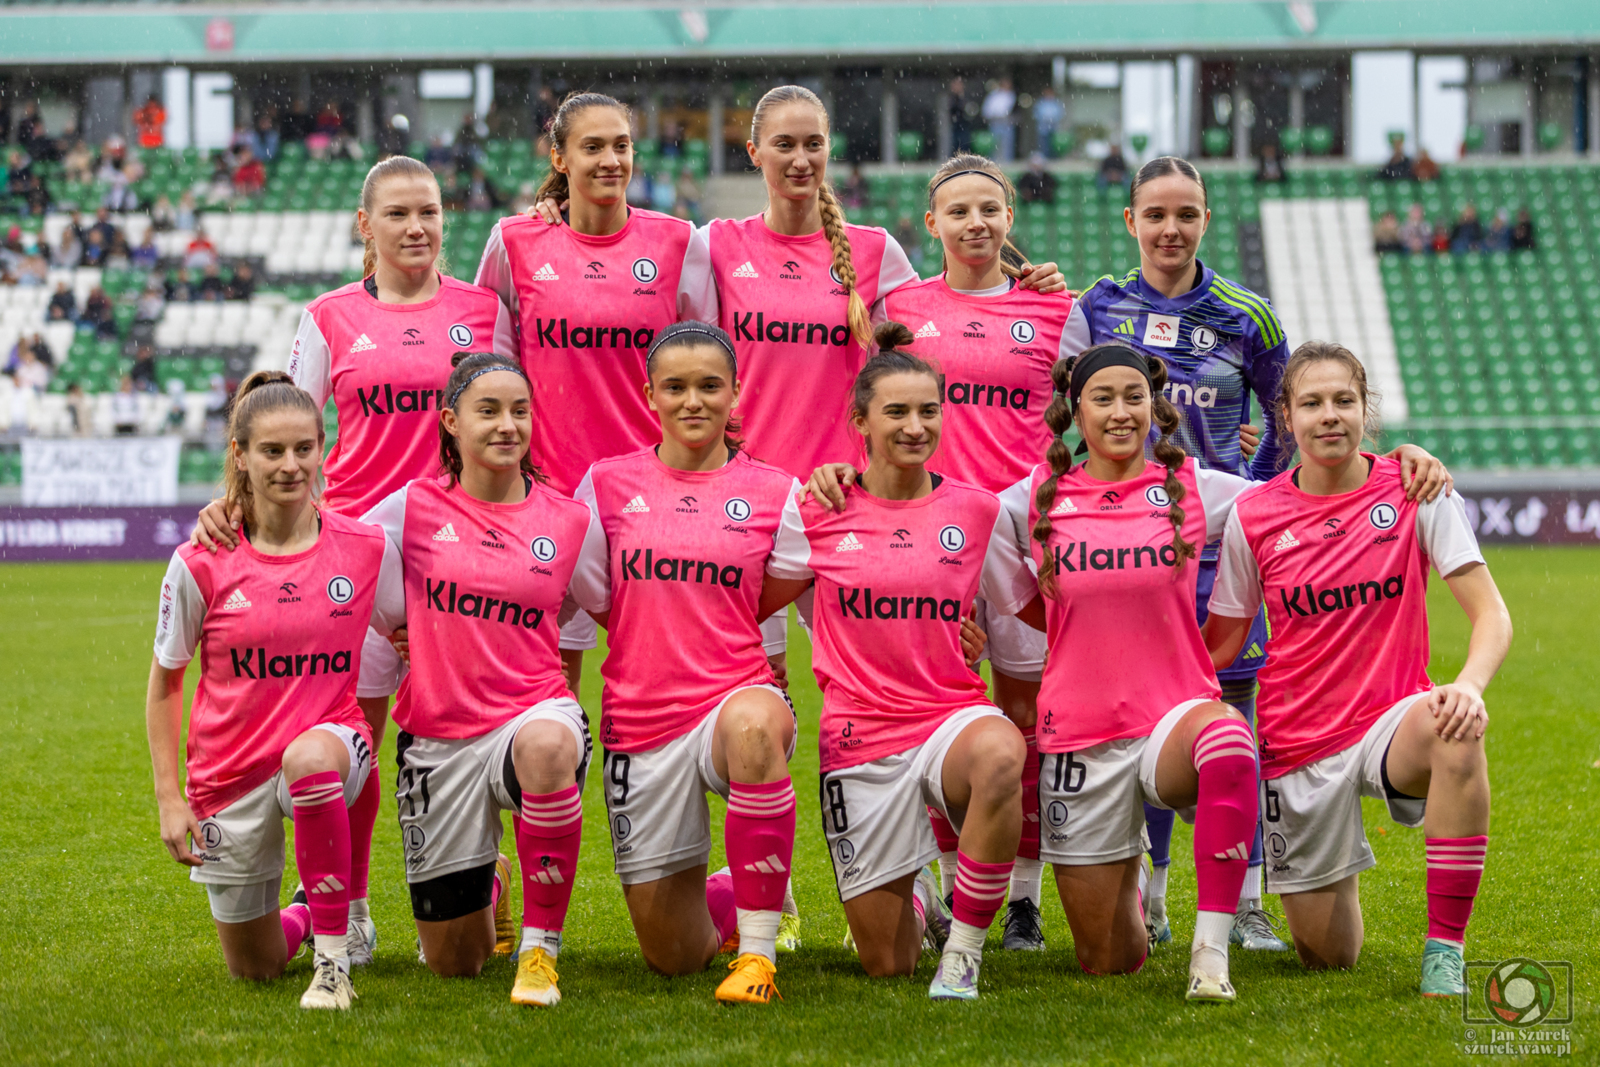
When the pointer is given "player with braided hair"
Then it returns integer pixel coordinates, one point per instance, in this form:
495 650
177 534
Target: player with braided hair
1116 549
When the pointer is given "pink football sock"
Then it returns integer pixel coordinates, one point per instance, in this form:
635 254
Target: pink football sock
1455 867
720 902
322 849
363 818
296 919
549 830
943 832
1028 847
759 837
980 890
1224 754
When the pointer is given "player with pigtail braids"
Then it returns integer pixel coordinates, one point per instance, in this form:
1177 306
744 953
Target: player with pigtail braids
1116 553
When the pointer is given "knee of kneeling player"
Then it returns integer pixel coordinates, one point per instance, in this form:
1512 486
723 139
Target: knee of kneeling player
886 963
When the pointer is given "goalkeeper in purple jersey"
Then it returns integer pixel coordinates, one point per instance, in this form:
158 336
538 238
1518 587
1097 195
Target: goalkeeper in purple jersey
1220 342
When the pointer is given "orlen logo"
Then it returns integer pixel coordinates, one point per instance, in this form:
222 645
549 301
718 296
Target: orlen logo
861 604
973 329
1201 396
798 333
1330 530
1108 500
288 597
554 333
413 337
790 270
1341 597
594 270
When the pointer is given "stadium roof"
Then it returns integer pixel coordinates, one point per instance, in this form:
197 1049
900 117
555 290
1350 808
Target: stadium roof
689 31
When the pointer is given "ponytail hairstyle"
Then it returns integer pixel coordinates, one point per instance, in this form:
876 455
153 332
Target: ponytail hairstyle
891 359
690 334
1160 167
555 186
469 365
263 392
1059 417
382 171
1327 352
833 220
1012 261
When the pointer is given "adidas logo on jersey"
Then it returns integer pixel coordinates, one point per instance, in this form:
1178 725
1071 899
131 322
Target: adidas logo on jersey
1066 507
236 601
546 273
848 543
928 330
635 505
363 344
1288 540
771 865
745 270
447 532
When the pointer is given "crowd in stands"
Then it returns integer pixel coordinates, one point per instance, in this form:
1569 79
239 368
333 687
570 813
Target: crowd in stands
1417 236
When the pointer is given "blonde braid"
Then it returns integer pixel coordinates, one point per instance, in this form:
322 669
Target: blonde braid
833 224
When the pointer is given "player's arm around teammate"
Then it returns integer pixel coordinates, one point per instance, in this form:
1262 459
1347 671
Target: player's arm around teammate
1115 540
905 723
275 730
487 722
689 704
1340 556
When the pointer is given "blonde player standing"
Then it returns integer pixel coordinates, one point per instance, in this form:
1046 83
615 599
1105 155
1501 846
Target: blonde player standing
1340 557
275 731
379 348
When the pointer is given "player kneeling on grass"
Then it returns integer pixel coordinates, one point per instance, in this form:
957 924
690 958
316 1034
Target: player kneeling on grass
487 722
1130 712
275 731
690 705
1341 558
905 722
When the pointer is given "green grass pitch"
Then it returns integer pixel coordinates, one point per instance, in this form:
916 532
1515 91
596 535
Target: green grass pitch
109 954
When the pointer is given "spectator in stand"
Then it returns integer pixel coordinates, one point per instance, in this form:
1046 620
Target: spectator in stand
1399 168
1416 234
960 117
1441 238
201 253
94 250
468 145
103 226
910 242
177 410
211 284
242 286
1269 165
33 270
439 158
80 410
68 253
151 303
184 218
240 138
1113 170
125 408
394 138
1467 234
329 122
97 314
220 188
1037 185
1498 239
544 109
117 255
1048 114
1425 170
32 137
297 124
481 192
855 192
163 216
28 370
77 162
179 289
997 108
150 122
18 169
1386 234
65 301
264 139
143 371
119 195
687 196
145 255
249 176
452 194
1522 233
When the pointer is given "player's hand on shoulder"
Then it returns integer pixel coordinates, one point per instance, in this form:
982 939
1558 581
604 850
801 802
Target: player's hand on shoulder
548 210
178 828
1423 474
973 640
1249 439
217 526
828 484
1458 712
402 646
1043 277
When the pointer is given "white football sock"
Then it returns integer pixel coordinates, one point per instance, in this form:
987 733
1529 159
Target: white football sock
533 937
789 906
1156 903
1027 880
1208 952
964 937
1250 892
334 946
359 909
758 932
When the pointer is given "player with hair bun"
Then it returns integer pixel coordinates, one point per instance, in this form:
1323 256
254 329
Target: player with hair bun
1116 540
994 343
689 705
274 732
378 349
1339 554
905 722
487 721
